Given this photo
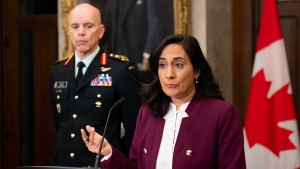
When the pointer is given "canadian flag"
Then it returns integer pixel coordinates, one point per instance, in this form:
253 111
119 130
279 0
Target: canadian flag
271 133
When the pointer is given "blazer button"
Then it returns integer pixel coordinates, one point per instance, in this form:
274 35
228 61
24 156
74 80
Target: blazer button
189 153
58 97
98 95
72 135
76 97
72 155
145 151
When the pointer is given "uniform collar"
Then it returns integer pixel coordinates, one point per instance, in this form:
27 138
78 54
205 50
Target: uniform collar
87 61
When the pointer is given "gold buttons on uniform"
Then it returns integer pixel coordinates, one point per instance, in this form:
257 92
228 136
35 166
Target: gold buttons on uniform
72 135
74 116
145 151
98 104
98 95
58 108
72 155
76 97
189 153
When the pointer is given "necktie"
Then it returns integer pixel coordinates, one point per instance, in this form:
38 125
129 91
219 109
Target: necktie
79 74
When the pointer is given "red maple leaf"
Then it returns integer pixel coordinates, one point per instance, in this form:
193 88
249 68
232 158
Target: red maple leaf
263 115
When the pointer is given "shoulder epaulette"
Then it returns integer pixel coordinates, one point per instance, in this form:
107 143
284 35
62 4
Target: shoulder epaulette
69 59
66 60
119 57
60 61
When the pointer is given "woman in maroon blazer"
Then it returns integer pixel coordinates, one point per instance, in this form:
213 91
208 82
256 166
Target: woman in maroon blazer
184 122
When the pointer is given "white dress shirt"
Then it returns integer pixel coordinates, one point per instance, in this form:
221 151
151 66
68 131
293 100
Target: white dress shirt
172 125
87 61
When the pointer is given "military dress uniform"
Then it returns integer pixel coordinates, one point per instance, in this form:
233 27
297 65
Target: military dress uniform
107 79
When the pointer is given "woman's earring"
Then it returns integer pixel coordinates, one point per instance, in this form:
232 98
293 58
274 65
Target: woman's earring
196 78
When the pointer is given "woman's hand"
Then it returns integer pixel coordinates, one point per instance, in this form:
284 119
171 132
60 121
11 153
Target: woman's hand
93 141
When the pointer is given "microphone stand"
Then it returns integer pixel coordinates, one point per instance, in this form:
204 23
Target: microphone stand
104 131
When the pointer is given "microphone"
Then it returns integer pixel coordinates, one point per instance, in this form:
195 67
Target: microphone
118 103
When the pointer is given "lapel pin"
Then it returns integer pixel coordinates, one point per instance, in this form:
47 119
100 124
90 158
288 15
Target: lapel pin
105 69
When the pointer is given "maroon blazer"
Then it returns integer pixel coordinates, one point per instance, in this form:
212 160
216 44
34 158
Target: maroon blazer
211 137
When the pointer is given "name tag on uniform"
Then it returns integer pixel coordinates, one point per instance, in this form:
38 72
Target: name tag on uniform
60 85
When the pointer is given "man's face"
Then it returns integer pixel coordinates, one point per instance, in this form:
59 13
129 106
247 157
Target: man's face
85 29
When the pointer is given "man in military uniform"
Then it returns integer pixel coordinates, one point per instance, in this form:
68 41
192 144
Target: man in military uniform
85 86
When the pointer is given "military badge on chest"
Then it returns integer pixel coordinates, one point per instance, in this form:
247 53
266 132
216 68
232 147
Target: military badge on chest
103 79
59 86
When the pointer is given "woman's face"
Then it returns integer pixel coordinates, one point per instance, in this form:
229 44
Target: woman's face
176 73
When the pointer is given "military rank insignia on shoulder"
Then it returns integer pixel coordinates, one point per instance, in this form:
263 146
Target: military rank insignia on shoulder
66 60
119 57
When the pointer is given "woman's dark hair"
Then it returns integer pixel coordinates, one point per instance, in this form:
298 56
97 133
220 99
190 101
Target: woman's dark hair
152 93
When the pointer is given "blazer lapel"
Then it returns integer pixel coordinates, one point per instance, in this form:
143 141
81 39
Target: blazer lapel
185 127
158 131
182 135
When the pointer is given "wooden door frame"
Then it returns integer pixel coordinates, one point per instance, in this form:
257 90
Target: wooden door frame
243 47
10 74
291 29
1 87
11 24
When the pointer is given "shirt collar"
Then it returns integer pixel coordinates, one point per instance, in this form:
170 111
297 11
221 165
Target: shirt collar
172 110
87 61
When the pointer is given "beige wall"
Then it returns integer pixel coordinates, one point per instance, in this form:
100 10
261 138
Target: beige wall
219 43
198 23
61 38
211 25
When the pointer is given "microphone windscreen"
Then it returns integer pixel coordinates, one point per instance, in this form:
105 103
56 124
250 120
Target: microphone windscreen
119 102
